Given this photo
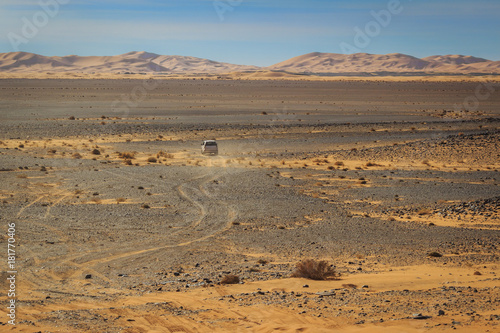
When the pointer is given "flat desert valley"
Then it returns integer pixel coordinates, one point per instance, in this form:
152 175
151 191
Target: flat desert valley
122 225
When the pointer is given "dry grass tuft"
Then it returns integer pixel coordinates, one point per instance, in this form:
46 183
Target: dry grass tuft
22 176
163 154
127 155
230 279
315 270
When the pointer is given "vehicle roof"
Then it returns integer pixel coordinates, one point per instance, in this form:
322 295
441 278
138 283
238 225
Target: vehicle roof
209 141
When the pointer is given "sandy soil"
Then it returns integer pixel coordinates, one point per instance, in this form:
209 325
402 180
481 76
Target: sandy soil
123 226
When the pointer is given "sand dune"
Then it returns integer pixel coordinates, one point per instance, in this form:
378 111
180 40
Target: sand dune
134 62
317 63
396 62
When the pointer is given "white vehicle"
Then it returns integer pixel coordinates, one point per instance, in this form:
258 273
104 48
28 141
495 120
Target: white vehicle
209 147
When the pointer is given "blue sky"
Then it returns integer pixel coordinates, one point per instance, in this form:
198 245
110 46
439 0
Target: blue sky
253 32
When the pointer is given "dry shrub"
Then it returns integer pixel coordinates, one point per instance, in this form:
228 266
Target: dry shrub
96 152
120 200
76 156
161 153
477 273
435 254
314 270
72 118
230 279
339 163
127 155
128 162
22 176
152 160
51 151
145 206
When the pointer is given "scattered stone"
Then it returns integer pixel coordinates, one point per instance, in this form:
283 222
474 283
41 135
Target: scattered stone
419 316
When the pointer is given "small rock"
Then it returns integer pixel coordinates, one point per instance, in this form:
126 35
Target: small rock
88 276
326 293
420 316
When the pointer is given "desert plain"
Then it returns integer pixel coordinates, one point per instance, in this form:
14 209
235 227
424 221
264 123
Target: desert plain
121 225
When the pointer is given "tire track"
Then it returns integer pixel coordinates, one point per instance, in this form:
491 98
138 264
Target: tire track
216 216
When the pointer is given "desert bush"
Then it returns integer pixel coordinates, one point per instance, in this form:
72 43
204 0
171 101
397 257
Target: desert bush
339 163
120 200
161 153
96 152
22 176
51 151
434 254
128 162
314 270
76 156
152 160
127 155
230 279
145 206
72 118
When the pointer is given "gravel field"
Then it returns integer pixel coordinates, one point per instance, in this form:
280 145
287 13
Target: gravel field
123 226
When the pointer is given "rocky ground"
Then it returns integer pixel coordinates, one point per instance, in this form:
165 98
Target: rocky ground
123 226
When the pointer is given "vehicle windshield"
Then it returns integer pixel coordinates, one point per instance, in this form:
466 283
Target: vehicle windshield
210 144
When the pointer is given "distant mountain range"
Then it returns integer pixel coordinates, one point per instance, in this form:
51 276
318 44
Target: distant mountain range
314 63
